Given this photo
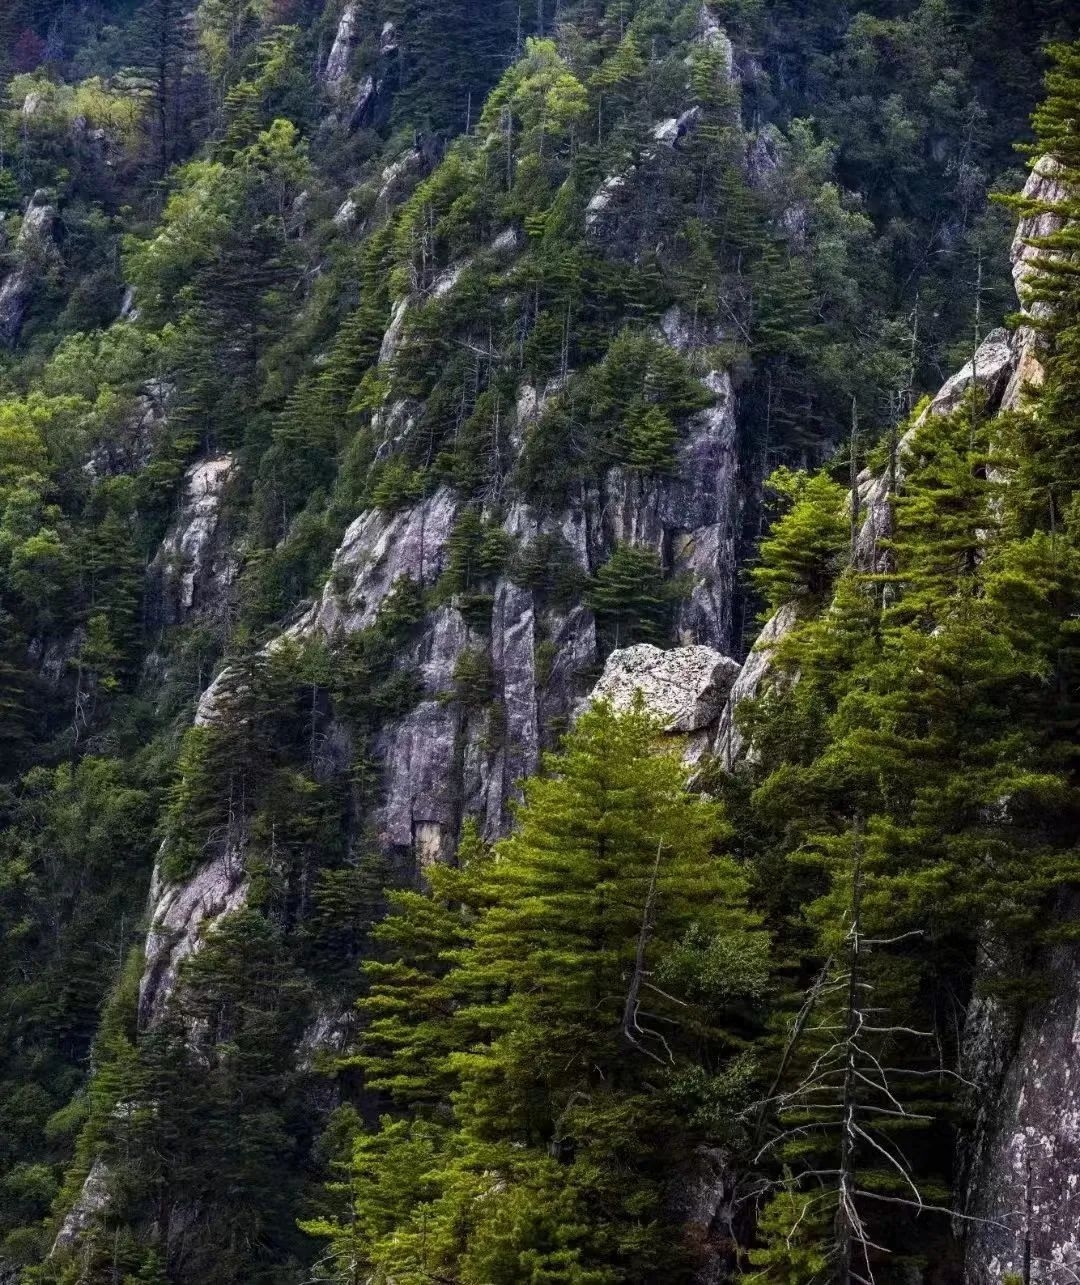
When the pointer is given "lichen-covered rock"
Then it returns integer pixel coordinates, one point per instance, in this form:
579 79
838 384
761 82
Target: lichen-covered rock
337 64
194 568
90 1202
1028 1154
180 916
34 254
684 688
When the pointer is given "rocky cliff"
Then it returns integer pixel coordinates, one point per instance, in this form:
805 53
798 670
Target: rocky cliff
32 255
498 661
440 762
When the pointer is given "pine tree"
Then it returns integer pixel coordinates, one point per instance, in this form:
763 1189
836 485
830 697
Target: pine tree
413 1019
631 597
584 999
650 439
14 693
805 549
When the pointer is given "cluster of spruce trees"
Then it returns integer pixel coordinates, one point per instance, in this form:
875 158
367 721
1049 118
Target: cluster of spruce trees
565 1022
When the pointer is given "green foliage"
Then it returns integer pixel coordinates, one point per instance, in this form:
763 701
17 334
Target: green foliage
396 485
556 1032
805 547
793 1227
632 599
72 828
516 991
903 715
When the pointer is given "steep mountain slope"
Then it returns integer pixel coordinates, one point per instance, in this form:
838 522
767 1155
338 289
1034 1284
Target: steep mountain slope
371 374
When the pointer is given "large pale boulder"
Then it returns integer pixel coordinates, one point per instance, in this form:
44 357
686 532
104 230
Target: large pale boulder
685 688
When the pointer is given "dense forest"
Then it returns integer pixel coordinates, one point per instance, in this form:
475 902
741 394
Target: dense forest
539 642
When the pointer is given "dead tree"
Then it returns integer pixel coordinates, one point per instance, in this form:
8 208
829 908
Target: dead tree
843 1103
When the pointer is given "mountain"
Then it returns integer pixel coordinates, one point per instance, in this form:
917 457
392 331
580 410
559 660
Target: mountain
390 391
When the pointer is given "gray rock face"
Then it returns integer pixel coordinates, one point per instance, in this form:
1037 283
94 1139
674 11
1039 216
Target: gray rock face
1003 365
704 1200
513 656
53 657
130 449
346 214
603 198
451 756
366 94
704 509
1021 1157
328 1034
685 688
337 64
1028 1151
180 916
621 189
695 513
419 752
193 569
1044 185
991 369
729 744
764 153
711 34
92 1199
446 759
378 550
34 253
395 177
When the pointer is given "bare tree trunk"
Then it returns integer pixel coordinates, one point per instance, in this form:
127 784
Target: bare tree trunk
845 1221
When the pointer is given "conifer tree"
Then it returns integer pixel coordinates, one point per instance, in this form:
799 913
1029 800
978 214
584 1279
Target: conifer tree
583 999
631 597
